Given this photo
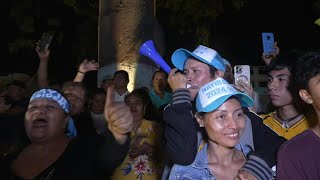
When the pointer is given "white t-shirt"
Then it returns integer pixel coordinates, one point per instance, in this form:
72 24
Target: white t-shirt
118 98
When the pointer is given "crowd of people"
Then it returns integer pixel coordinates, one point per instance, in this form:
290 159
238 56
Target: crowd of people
194 123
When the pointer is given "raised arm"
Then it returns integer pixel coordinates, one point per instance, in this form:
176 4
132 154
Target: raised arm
119 117
248 89
43 66
116 140
180 131
267 58
180 127
85 66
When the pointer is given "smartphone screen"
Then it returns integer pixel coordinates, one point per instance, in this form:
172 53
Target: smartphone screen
241 72
268 42
45 41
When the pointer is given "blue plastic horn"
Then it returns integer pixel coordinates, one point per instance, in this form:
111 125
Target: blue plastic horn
147 49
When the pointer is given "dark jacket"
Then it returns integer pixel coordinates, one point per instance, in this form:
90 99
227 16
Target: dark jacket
84 124
181 137
84 158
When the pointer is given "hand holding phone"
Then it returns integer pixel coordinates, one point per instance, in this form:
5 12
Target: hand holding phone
268 42
241 73
45 41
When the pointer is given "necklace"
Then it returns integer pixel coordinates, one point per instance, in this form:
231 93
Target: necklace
285 123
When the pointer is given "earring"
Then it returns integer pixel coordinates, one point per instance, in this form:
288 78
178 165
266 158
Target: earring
201 125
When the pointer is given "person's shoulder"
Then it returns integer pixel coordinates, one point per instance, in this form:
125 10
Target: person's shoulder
127 92
168 93
307 134
251 114
298 143
152 93
147 122
12 154
264 116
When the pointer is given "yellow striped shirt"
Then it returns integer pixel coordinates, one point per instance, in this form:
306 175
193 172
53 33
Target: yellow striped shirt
288 133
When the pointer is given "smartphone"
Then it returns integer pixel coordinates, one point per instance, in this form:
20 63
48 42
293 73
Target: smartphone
45 41
241 72
268 42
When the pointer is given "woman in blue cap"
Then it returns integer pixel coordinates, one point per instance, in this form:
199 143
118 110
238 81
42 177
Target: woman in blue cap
55 152
219 112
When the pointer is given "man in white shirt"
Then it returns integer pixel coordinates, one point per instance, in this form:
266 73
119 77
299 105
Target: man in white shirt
120 82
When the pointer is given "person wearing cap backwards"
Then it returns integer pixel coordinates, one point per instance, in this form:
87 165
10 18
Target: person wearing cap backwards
52 154
219 112
200 67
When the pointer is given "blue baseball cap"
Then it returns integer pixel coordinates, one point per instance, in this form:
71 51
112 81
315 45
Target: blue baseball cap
201 53
226 62
213 94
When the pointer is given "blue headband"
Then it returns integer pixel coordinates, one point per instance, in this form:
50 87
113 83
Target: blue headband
54 95
61 101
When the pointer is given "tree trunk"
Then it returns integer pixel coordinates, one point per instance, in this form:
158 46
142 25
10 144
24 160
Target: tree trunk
123 26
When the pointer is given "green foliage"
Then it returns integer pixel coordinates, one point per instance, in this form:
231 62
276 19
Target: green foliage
94 4
23 19
204 35
54 22
20 43
87 9
16 11
196 16
317 4
185 16
27 17
238 4
70 3
187 13
86 12
26 23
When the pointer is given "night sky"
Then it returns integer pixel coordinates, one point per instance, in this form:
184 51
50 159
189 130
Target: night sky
290 21
237 35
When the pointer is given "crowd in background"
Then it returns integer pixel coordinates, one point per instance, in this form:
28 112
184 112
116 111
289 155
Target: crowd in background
201 126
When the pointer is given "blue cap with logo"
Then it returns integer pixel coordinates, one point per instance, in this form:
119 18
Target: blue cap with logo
213 94
201 53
